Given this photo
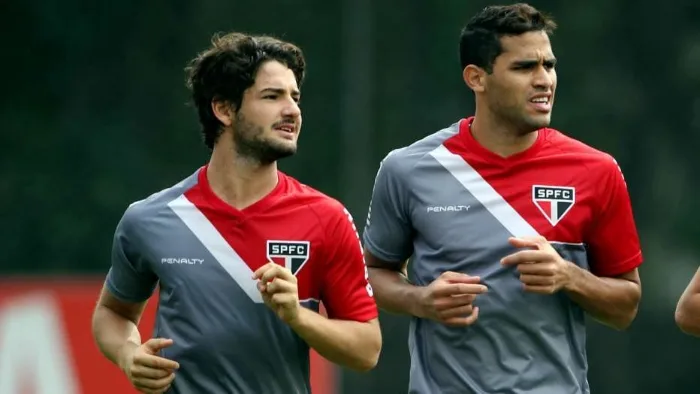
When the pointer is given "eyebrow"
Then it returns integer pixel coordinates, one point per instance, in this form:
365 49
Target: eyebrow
279 91
531 63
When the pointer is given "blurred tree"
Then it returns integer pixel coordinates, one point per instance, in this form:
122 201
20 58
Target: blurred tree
94 116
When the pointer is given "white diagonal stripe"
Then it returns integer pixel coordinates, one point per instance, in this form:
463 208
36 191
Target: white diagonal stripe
215 243
482 191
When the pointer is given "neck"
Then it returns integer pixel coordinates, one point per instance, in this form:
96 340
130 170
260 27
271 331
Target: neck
501 138
239 181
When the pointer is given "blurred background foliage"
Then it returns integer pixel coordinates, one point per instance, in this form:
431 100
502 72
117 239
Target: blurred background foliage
95 116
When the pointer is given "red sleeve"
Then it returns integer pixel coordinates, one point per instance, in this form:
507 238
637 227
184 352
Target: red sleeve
345 291
613 240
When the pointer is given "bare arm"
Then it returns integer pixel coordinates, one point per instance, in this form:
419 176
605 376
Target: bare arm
612 294
353 344
688 308
393 291
611 301
448 299
114 326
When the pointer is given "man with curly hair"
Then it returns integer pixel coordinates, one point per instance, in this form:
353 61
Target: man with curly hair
242 253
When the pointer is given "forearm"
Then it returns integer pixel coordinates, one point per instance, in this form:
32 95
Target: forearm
688 308
114 334
688 314
611 301
393 292
352 344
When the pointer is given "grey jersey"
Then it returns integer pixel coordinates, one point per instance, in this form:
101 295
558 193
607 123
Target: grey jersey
449 205
201 253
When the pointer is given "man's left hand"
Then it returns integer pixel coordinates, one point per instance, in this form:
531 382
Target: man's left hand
542 269
278 287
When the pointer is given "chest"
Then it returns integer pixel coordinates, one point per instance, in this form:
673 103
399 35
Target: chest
460 208
199 249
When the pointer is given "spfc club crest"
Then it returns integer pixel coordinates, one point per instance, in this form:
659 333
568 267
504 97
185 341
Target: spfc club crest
289 254
553 201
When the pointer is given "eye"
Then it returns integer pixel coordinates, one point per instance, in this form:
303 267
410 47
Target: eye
270 97
522 67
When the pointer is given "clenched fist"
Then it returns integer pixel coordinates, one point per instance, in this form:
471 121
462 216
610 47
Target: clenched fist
278 287
542 270
147 372
449 299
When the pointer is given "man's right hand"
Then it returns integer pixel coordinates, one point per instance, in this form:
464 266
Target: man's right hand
147 372
448 299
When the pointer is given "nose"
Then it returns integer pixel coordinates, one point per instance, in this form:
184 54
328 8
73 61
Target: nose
291 109
544 78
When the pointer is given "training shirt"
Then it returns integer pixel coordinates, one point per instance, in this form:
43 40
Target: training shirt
201 252
450 205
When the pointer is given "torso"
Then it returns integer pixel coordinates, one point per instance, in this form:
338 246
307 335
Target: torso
203 254
463 205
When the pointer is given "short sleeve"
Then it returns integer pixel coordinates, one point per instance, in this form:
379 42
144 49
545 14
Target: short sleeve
346 293
613 241
130 278
387 233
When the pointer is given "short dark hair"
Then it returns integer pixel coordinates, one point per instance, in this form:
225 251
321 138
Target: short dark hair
225 70
480 40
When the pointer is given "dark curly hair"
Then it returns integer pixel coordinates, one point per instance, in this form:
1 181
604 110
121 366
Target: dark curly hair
225 70
480 40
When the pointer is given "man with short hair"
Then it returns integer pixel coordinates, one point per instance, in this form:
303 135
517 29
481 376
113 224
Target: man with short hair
514 230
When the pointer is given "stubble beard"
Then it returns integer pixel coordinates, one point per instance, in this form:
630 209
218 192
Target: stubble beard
250 143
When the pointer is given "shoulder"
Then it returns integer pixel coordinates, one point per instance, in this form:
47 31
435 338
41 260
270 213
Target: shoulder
400 161
318 201
596 160
145 209
323 207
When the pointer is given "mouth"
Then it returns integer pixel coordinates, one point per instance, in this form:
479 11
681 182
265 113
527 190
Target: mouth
287 129
542 103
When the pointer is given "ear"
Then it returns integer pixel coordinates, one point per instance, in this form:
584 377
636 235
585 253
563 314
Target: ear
475 78
223 110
